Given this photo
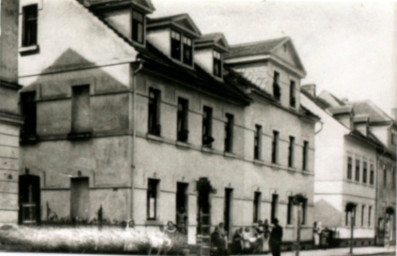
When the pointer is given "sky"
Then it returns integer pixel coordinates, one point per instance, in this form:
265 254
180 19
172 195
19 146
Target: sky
348 48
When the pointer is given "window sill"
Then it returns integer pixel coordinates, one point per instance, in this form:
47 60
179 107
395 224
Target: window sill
154 223
258 162
79 135
207 149
292 169
27 50
229 155
182 144
29 139
154 138
275 166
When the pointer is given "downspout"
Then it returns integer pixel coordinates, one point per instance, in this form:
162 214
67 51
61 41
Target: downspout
140 66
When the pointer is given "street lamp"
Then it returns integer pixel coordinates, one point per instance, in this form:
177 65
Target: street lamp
298 200
351 208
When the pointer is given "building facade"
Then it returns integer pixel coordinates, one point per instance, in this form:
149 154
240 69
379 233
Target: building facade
10 120
149 119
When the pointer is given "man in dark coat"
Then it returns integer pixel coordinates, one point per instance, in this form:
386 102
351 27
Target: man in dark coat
275 238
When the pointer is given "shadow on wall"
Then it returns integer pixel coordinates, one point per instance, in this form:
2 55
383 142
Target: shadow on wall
327 214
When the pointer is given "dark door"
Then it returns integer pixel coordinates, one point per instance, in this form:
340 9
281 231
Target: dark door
29 199
79 198
181 207
228 209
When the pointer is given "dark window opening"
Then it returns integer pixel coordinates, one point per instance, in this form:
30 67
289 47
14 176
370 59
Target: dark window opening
365 172
369 215
29 111
257 203
276 86
207 127
229 133
81 109
385 177
138 21
152 195
274 206
304 212
357 170
257 142
290 210
291 151
29 25
29 199
187 51
305 154
182 207
362 215
154 112
371 175
228 209
182 120
176 45
292 98
217 64
349 168
275 147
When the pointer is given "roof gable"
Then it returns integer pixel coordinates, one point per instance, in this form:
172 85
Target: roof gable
181 21
217 40
287 52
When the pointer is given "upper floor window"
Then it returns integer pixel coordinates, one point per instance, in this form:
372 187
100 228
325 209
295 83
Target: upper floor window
217 64
154 126
349 168
229 133
275 147
29 25
207 127
357 169
81 109
182 120
257 142
29 111
291 151
276 86
305 154
181 48
292 99
138 23
365 172
371 174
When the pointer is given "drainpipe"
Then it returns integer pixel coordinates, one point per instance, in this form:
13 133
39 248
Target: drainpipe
135 72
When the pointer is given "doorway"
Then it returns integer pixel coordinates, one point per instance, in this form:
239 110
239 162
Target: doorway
181 207
79 198
29 199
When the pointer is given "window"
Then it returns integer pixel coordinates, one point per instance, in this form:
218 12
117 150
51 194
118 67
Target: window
154 126
276 86
362 215
217 64
275 147
365 172
30 114
81 109
349 168
357 169
385 177
182 120
290 210
305 154
207 127
347 218
292 99
176 45
229 133
29 25
371 175
138 27
152 195
304 210
187 51
257 142
291 151
274 205
257 203
369 215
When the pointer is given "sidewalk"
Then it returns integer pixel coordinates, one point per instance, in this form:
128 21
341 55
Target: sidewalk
345 251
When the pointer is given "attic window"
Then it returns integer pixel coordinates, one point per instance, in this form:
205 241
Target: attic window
187 51
175 45
217 64
181 48
137 27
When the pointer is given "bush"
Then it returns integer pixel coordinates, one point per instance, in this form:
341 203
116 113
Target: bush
89 240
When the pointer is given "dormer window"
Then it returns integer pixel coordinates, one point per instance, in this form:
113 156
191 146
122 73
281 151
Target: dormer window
138 27
176 45
217 64
181 48
187 51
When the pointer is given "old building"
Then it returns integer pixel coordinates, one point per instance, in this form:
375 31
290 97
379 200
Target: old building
10 120
148 118
351 175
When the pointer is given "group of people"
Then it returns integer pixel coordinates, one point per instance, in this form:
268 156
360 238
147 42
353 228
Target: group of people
259 238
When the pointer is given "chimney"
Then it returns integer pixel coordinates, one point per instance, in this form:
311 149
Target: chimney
394 114
310 89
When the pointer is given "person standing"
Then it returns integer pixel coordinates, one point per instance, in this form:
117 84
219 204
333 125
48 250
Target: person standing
276 236
266 230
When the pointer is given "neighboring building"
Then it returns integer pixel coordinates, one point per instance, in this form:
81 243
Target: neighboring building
350 175
141 116
10 120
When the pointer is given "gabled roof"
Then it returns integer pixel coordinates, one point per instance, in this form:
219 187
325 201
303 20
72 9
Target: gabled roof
181 21
266 49
217 40
367 107
145 5
340 110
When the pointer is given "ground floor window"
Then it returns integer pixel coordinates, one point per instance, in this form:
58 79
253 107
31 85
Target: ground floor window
274 206
152 195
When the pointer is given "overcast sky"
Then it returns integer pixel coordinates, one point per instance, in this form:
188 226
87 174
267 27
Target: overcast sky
348 48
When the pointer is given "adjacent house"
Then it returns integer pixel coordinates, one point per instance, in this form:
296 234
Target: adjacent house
149 119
